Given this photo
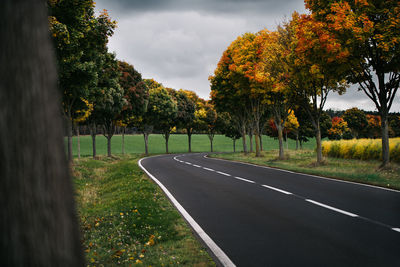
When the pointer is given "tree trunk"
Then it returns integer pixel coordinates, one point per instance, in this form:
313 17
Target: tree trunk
69 130
261 143
78 141
257 138
93 132
318 141
146 143
189 134
385 140
211 137
297 141
166 136
38 221
244 138
251 142
109 136
234 145
280 139
123 140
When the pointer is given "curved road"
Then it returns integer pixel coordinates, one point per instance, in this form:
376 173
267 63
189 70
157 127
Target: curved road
261 216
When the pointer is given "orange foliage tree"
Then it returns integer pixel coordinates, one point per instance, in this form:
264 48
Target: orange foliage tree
314 69
367 33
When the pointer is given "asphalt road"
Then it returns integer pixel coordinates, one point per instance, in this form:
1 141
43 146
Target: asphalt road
265 217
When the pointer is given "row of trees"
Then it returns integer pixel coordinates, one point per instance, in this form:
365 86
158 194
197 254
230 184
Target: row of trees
104 93
296 67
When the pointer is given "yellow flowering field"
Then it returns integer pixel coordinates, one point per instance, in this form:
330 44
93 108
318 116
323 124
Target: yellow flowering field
365 149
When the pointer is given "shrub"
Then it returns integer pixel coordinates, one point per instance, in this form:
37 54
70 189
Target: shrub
365 149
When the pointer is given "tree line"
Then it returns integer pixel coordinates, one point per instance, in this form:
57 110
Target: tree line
296 67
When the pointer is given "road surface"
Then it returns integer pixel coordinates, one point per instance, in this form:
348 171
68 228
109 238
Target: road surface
260 216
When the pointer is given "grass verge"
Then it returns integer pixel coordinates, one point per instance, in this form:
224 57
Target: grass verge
127 220
303 161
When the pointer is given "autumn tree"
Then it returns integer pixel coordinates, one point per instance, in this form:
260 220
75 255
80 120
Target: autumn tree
79 38
225 87
314 72
338 129
367 33
292 127
356 121
39 225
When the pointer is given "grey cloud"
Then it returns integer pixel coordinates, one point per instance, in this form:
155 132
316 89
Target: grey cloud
179 42
259 7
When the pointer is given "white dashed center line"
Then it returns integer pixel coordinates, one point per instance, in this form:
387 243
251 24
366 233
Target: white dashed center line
396 229
245 180
208 169
332 208
276 189
223 173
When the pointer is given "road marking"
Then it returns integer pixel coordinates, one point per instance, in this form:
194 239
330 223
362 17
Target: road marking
396 229
223 173
305 174
277 189
194 165
240 178
332 208
188 163
208 169
216 250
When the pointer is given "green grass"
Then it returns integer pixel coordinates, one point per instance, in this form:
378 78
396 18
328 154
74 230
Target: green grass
367 172
126 219
177 144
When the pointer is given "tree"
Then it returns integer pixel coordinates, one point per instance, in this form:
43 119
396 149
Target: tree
227 126
165 118
225 96
136 95
374 123
367 34
160 109
292 126
38 218
314 72
109 98
79 38
338 129
356 121
186 103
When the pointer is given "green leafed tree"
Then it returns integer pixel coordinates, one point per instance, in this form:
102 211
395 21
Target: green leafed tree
136 96
79 38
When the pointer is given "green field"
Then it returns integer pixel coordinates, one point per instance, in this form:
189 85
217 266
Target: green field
177 144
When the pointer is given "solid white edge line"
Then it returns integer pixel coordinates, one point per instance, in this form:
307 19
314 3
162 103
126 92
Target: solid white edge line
277 189
218 252
223 173
245 180
396 229
305 174
332 208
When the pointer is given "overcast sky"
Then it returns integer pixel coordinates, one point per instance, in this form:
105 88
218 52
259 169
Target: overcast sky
179 42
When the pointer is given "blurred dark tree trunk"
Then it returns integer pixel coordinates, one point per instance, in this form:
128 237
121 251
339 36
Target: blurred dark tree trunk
38 221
